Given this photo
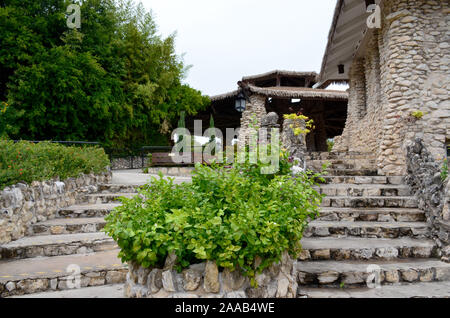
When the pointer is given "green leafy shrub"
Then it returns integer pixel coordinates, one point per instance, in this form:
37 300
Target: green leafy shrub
417 114
232 215
27 162
330 144
444 170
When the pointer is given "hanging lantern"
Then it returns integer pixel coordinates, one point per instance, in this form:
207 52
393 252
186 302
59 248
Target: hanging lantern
240 102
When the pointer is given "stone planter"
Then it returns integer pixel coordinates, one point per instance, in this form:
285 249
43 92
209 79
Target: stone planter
22 205
206 281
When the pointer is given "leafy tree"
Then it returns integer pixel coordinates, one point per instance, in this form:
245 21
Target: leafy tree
114 80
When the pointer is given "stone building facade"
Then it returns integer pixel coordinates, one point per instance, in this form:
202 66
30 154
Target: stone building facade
280 92
396 70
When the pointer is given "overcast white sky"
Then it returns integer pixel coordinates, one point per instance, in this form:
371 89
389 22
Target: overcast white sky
227 39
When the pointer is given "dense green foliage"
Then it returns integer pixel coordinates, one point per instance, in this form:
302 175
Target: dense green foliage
330 144
444 170
27 162
232 215
114 80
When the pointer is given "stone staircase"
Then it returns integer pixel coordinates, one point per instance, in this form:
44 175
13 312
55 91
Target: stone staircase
366 222
40 261
368 225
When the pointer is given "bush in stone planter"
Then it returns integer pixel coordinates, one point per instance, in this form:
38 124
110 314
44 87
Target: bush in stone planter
236 217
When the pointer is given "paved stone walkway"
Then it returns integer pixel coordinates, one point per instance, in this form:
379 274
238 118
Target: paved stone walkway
136 177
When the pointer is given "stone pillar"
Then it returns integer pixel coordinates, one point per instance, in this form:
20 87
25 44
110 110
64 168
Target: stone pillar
295 145
269 122
415 76
252 117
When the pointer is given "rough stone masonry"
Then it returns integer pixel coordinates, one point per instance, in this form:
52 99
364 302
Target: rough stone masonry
22 205
206 281
403 68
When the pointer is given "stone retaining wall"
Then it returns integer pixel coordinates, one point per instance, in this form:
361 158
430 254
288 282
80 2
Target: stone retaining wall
424 177
22 205
15 287
206 281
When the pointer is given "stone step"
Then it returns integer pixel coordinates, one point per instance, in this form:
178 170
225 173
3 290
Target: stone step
118 188
89 210
68 226
172 171
366 229
397 180
408 290
342 164
339 155
106 291
370 202
371 214
27 276
352 172
101 198
335 248
346 274
55 245
359 190
317 166
337 161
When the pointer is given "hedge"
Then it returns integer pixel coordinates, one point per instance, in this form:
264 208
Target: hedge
26 162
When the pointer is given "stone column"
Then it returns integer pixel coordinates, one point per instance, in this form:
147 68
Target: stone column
295 145
252 117
415 76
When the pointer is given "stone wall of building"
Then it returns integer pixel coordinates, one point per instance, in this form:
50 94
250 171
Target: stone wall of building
205 280
22 205
413 75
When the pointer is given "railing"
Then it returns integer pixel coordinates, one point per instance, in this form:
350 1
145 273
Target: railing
130 154
62 142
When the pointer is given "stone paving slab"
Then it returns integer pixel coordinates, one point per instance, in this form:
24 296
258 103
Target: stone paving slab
370 202
372 214
359 224
366 229
362 243
56 266
370 210
54 245
420 290
350 274
340 248
108 291
136 177
361 266
71 221
360 190
90 210
364 179
68 226
101 198
56 239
